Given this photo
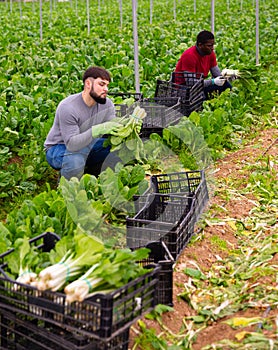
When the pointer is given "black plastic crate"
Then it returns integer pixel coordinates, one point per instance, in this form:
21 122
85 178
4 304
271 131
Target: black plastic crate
165 217
189 183
123 109
159 254
188 86
100 316
187 79
161 113
30 333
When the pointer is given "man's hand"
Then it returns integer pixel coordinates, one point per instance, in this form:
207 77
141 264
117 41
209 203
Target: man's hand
219 81
109 127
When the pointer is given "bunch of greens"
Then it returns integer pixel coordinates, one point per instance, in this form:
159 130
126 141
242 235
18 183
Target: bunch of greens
81 265
112 270
127 141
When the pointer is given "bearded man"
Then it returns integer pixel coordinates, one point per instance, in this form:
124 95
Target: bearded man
74 144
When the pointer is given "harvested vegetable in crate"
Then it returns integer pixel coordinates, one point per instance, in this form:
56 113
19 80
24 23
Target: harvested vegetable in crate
79 325
87 268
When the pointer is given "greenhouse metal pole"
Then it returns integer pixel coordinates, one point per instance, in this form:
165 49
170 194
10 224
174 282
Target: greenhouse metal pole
257 32
50 4
195 8
88 17
135 43
212 16
121 12
20 8
41 19
151 11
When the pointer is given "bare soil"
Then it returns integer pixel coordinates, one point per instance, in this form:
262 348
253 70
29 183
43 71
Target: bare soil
231 169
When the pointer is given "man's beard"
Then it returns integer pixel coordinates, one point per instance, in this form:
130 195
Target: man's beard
97 98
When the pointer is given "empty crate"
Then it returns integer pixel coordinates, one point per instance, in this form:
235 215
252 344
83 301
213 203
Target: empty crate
189 183
168 218
188 86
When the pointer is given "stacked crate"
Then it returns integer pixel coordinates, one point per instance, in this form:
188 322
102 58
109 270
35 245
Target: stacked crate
189 87
33 319
168 211
160 113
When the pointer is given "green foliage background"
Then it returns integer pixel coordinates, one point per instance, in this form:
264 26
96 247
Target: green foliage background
40 65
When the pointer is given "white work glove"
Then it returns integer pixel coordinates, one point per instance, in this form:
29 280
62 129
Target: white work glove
229 73
219 81
109 127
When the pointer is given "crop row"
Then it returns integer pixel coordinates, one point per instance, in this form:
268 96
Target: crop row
42 59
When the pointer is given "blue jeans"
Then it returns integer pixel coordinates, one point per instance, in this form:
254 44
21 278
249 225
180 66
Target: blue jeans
209 90
73 164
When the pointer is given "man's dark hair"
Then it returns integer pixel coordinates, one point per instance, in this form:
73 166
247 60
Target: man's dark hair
204 36
96 72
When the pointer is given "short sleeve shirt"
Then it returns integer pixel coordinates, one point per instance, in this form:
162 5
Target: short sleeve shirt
192 61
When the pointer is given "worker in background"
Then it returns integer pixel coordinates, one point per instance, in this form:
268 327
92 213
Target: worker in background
201 58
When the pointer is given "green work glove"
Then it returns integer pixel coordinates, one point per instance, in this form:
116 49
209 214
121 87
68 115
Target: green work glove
105 128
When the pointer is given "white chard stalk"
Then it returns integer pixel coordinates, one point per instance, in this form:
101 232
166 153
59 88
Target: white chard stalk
229 73
54 277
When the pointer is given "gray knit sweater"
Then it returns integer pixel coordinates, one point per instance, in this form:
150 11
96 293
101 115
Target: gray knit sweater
73 121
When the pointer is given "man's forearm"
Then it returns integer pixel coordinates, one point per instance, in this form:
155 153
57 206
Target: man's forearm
80 141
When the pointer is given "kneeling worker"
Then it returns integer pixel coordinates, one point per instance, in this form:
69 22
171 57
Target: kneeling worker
201 58
75 141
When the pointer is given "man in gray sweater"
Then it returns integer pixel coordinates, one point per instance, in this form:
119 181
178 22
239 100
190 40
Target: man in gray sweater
75 141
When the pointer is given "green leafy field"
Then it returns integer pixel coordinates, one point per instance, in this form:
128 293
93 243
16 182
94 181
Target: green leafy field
39 66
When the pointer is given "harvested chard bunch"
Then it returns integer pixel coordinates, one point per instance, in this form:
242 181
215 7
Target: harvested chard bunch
23 261
87 252
114 269
230 73
56 276
127 139
244 73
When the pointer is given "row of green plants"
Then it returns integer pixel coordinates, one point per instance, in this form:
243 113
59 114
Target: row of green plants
36 74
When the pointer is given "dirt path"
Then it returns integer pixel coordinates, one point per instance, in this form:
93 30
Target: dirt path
230 171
